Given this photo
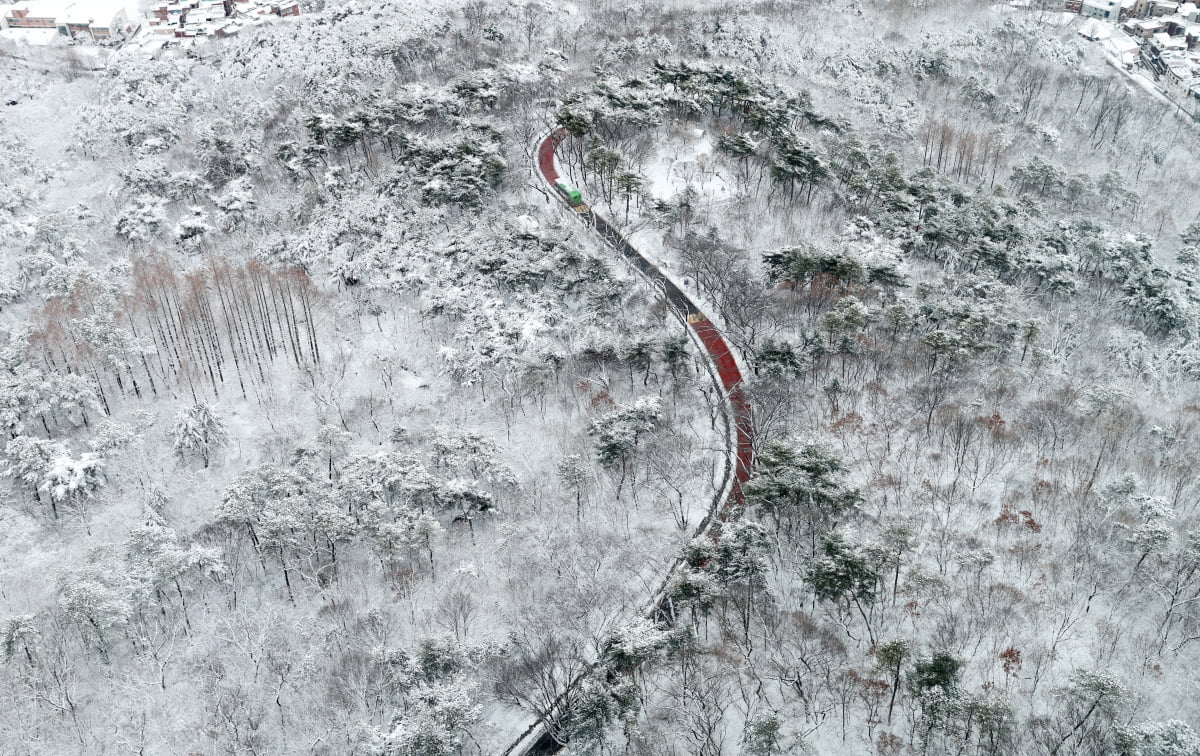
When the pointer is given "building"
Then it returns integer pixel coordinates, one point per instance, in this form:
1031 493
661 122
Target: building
94 20
1146 28
1124 48
1163 44
1175 25
23 16
1180 73
1094 30
1107 10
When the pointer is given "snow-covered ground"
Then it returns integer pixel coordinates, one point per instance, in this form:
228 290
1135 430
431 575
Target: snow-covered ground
687 160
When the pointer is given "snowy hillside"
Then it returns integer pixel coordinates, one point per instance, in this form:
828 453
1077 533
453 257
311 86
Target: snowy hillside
332 429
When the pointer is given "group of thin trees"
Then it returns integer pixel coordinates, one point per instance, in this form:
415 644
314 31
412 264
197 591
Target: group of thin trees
964 153
202 330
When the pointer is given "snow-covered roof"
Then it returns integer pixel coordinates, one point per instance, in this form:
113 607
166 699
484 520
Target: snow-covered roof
1181 70
37 37
1093 28
1121 43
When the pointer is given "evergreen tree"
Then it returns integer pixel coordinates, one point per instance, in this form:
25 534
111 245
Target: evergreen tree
199 430
799 486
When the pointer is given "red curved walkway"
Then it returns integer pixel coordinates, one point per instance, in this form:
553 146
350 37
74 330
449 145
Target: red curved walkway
719 353
538 740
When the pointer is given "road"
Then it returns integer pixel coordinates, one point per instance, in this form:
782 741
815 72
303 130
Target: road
726 376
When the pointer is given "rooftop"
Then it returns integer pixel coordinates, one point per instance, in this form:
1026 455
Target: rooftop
1122 43
1093 29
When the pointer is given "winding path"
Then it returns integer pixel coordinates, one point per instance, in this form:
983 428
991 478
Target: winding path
726 376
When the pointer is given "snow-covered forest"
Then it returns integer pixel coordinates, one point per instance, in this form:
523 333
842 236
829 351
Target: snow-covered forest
330 430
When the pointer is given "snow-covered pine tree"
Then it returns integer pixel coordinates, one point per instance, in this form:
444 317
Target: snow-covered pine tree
199 430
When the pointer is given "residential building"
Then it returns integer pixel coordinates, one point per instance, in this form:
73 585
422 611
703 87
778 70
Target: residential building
1180 73
1175 24
1094 30
1123 47
1102 9
1136 9
1163 43
1145 28
198 19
